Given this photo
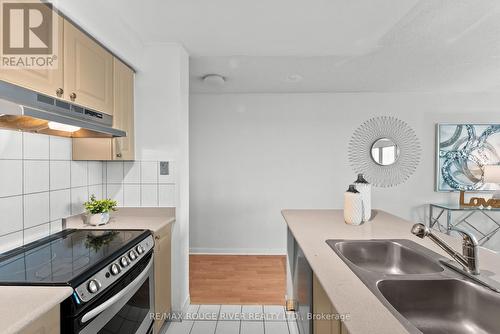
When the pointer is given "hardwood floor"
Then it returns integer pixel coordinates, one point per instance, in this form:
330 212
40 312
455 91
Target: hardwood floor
237 279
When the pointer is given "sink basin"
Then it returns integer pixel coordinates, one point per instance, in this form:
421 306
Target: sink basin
440 300
444 306
387 257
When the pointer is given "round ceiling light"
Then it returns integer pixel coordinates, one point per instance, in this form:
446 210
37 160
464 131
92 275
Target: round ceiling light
214 79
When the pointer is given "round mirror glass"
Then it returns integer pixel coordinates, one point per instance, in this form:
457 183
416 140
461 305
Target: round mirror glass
385 152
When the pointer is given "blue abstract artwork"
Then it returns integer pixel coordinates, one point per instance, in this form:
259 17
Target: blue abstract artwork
463 151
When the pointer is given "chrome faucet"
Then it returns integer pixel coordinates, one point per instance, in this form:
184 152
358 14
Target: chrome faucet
467 263
469 259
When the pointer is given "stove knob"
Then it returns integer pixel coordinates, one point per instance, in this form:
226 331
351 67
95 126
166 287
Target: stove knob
132 255
124 261
139 249
114 269
93 286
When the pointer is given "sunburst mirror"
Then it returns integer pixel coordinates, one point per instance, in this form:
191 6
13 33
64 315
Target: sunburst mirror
386 150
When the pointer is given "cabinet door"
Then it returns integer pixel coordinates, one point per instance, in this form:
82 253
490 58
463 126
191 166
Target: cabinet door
88 71
322 305
123 115
162 274
92 149
123 118
46 81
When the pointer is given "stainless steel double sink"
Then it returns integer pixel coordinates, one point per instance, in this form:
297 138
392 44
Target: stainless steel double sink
423 293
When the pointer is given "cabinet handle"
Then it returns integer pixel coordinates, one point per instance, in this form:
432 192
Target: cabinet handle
72 96
59 92
118 155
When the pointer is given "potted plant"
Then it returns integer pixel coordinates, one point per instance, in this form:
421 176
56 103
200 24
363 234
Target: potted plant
98 210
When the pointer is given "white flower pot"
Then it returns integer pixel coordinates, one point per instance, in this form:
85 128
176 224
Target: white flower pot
98 219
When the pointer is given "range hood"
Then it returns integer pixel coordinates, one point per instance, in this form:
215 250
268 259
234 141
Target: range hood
25 110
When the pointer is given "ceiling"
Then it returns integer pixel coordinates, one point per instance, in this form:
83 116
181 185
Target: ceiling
313 45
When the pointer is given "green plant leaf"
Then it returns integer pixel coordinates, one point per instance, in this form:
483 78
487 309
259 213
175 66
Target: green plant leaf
95 206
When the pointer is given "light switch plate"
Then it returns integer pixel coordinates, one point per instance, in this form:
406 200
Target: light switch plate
164 168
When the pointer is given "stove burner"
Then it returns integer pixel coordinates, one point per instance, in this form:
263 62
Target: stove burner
67 257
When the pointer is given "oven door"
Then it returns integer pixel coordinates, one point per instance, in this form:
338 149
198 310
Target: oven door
127 310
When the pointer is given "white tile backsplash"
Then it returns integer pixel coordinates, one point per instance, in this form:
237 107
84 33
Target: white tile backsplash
141 184
95 172
35 233
11 144
60 207
97 191
29 210
131 195
115 192
60 148
10 241
11 177
149 195
35 146
166 193
40 185
79 173
36 209
114 172
36 176
78 197
60 175
11 207
55 226
132 172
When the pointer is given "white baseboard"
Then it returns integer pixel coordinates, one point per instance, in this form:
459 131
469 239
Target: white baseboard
236 251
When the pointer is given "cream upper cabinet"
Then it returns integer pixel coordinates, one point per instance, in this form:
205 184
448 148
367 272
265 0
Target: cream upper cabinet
123 115
88 71
123 119
46 81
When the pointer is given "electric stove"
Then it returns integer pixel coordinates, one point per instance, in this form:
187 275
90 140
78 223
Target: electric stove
110 271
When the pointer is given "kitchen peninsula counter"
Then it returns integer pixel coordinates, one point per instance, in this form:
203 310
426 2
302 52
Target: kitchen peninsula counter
347 293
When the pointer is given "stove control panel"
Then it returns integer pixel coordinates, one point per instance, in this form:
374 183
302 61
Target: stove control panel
107 276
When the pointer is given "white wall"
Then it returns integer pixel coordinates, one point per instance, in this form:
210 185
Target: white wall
255 154
162 133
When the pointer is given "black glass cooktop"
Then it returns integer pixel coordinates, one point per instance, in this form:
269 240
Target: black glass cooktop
67 257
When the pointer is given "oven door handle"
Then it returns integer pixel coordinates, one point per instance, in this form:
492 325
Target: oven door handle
138 280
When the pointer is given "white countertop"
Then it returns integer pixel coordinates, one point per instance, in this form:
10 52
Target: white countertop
21 305
346 291
152 219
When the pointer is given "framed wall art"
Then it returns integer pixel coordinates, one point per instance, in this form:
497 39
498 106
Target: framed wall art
462 152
